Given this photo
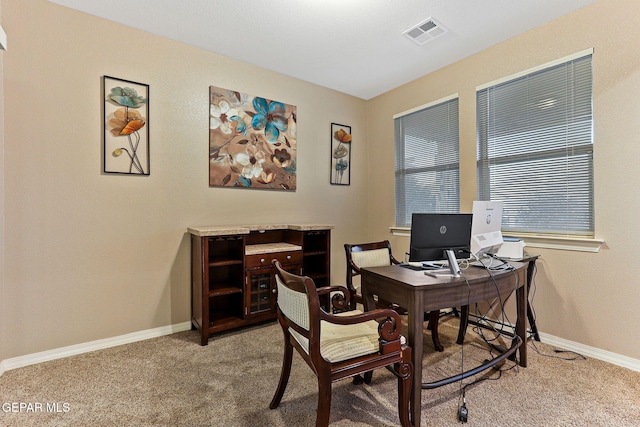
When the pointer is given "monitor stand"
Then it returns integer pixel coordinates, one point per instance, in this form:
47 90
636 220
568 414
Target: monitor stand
453 263
454 268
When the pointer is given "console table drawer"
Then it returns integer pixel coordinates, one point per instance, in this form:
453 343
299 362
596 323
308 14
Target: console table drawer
264 260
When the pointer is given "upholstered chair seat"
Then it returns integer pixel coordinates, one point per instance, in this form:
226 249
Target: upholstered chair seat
342 342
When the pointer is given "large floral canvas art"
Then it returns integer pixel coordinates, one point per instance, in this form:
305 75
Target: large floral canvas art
126 129
252 141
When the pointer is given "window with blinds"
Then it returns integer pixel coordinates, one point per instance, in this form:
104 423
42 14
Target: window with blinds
427 162
535 149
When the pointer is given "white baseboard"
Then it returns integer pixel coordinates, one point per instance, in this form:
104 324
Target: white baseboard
585 350
72 350
596 353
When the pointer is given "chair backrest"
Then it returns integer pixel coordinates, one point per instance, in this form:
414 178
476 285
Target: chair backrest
293 302
299 305
362 255
371 258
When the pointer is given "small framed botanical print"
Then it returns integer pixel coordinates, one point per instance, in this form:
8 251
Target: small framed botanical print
126 127
340 154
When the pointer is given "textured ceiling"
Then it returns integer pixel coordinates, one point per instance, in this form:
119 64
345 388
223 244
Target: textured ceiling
353 46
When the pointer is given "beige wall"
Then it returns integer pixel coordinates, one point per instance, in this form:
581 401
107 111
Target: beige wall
2 299
588 298
92 256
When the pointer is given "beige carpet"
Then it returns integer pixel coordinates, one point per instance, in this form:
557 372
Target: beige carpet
173 381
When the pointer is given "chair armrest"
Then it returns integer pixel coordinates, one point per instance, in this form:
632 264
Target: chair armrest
340 300
388 329
354 267
332 288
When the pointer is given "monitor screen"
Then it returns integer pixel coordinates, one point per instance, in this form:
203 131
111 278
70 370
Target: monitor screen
486 229
432 234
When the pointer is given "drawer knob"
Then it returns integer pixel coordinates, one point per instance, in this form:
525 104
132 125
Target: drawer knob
262 260
288 256
274 290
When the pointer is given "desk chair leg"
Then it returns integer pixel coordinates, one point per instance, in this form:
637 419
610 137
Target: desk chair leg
284 375
324 400
464 321
359 379
434 319
404 372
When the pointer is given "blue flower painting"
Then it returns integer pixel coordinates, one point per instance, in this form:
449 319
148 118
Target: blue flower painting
252 141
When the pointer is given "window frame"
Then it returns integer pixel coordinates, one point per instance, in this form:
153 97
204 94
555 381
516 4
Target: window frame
402 171
533 233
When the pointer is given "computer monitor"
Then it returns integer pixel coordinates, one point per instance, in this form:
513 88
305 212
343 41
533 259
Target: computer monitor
486 228
433 234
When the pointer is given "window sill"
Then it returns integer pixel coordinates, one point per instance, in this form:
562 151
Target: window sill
400 231
565 243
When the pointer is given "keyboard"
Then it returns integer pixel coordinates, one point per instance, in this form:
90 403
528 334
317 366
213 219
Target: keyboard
427 265
435 265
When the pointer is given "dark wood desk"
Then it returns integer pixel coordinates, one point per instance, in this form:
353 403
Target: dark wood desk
420 293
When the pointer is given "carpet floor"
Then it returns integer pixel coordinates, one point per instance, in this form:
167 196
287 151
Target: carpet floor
173 381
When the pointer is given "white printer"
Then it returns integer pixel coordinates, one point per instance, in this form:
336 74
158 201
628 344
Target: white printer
512 248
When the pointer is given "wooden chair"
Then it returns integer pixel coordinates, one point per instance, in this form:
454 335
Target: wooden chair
377 254
337 346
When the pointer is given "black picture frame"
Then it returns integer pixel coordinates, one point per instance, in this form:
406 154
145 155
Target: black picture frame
126 127
340 173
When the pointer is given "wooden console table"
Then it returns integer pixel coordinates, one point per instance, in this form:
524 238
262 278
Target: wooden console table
232 279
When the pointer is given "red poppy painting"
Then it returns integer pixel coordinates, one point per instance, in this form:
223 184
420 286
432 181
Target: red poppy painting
252 141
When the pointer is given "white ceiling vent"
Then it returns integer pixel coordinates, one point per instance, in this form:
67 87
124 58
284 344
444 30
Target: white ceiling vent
425 31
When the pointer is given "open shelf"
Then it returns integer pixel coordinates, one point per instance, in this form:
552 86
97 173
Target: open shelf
225 262
233 282
224 291
222 321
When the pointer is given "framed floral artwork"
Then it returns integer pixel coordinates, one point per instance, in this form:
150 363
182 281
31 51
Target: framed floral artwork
252 141
340 154
126 129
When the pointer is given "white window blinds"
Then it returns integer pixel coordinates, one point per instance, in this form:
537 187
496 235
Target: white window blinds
535 149
427 162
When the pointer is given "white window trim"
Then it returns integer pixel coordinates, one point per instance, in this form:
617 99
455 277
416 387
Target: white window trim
425 106
564 243
519 74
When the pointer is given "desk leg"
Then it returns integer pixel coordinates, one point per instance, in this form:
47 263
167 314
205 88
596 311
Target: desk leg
368 302
521 323
531 268
416 341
